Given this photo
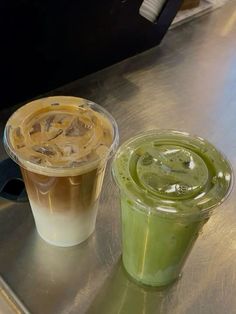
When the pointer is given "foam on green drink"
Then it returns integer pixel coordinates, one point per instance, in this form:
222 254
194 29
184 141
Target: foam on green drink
169 184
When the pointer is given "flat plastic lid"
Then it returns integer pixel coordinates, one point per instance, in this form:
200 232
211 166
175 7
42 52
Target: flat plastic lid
60 136
172 172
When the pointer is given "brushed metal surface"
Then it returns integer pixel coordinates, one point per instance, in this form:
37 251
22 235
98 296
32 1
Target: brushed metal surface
9 302
187 83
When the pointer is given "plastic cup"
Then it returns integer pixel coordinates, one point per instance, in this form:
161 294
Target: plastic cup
62 145
170 182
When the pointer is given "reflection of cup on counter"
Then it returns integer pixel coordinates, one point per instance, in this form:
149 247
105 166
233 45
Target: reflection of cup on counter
169 184
119 294
62 145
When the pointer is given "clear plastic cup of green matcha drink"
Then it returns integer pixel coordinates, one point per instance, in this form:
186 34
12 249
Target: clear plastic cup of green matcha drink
170 183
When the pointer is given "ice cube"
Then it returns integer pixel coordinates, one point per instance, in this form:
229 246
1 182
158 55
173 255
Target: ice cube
44 149
76 128
36 128
19 138
48 122
68 150
19 146
59 149
18 133
35 159
59 118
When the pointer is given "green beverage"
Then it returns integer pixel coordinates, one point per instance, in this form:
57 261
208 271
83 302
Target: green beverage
169 182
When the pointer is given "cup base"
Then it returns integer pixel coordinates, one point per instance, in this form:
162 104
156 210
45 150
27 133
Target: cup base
65 244
145 283
64 230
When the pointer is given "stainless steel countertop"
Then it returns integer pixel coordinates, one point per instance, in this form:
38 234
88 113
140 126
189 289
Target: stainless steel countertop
187 83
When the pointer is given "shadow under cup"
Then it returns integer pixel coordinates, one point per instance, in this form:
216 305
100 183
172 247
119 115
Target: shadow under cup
170 183
64 200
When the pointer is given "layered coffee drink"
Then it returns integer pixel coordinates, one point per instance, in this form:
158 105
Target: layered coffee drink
62 145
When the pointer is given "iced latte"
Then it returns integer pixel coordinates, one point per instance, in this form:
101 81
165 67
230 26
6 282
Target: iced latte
62 145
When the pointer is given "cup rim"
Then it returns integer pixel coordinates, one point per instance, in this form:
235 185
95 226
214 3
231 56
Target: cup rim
63 170
159 210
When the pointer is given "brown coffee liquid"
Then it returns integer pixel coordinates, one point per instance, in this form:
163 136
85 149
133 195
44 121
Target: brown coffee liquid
72 194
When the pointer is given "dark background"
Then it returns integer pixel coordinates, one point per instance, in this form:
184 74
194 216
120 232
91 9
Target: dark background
46 44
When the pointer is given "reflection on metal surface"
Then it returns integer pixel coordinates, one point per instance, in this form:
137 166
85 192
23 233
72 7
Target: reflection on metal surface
229 24
186 83
9 303
4 204
119 294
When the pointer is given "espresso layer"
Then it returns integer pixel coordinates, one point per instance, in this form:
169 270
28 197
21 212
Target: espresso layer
70 195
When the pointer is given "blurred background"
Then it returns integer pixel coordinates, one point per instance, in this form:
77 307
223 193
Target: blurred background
46 44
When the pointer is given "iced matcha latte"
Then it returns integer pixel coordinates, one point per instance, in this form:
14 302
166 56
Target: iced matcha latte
169 184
